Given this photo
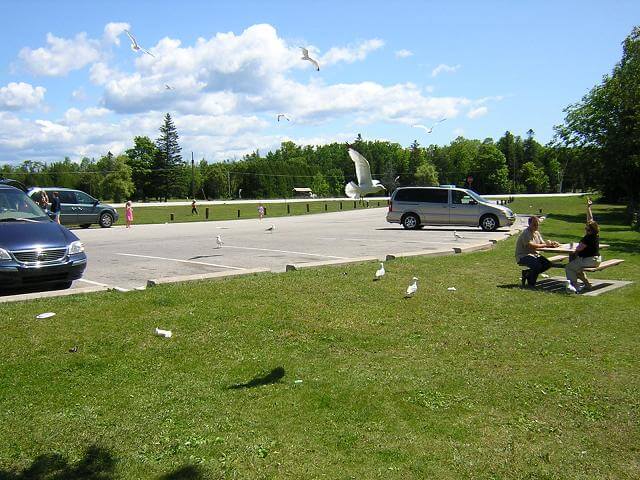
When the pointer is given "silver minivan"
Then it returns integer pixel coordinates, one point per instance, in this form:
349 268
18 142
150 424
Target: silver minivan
414 207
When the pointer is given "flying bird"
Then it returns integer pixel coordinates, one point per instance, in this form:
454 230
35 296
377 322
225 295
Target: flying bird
365 183
412 289
456 235
271 229
282 115
380 272
219 241
428 129
305 56
135 47
395 180
168 87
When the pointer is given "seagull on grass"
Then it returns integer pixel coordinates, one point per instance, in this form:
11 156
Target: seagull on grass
305 56
282 115
380 272
219 241
412 289
135 46
428 129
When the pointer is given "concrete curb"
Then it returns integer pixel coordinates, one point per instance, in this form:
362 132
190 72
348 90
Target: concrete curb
473 248
299 266
203 276
51 294
420 253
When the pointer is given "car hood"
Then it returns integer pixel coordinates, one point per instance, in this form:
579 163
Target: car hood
27 235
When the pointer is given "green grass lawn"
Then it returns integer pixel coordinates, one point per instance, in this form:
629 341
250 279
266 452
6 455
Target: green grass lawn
488 382
181 213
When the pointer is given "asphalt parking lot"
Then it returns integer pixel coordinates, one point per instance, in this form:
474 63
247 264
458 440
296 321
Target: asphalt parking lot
125 259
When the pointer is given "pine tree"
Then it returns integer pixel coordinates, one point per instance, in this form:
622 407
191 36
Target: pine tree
169 177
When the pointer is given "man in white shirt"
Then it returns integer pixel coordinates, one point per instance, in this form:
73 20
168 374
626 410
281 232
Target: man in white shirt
527 246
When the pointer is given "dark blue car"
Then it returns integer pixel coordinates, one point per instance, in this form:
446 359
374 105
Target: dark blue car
35 250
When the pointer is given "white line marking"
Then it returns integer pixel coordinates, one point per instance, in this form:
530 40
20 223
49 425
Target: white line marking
182 261
286 251
120 289
377 240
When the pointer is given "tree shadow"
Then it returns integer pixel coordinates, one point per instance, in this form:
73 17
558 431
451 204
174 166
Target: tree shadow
97 463
273 376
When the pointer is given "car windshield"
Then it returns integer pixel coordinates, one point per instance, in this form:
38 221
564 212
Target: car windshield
476 197
16 206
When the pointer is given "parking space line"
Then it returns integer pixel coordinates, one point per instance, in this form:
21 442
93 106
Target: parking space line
181 261
120 289
287 251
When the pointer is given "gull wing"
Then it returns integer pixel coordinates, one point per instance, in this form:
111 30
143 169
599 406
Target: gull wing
424 127
315 63
363 169
133 40
305 52
147 52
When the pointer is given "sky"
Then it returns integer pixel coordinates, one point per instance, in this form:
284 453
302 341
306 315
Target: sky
71 86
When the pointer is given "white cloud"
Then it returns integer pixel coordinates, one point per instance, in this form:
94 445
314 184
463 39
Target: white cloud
477 112
113 30
404 53
444 68
350 54
61 55
19 96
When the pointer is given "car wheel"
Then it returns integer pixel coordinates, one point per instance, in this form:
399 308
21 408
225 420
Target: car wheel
489 223
106 220
85 225
411 221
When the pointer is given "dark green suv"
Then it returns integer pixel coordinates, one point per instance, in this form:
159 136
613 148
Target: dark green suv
78 208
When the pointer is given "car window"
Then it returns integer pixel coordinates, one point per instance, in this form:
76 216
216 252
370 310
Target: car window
15 204
406 195
460 198
84 198
432 195
67 197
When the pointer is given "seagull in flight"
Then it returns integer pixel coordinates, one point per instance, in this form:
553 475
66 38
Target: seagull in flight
305 56
412 289
380 272
363 172
395 180
219 241
168 87
282 115
135 47
428 129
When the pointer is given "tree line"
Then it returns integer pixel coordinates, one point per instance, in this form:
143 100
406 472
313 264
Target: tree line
597 147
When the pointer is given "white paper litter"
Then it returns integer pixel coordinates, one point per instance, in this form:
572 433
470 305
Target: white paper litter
45 315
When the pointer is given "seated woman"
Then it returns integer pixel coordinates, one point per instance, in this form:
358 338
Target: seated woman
586 254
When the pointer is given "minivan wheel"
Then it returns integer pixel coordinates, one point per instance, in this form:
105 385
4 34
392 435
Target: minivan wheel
489 223
410 221
106 220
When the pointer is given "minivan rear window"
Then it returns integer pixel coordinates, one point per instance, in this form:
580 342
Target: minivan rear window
427 195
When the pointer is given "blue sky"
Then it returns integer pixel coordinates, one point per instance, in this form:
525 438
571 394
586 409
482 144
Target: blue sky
71 86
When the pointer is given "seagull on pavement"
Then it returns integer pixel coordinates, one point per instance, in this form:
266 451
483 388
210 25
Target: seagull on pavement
219 241
283 115
428 129
456 235
412 289
380 272
271 229
363 172
135 47
305 56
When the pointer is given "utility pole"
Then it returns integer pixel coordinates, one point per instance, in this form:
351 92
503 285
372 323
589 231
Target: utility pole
229 182
193 192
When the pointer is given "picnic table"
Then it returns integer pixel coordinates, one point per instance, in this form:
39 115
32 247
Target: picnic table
567 248
562 252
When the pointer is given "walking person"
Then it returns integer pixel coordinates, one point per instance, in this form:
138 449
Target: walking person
194 209
527 246
56 206
586 254
128 209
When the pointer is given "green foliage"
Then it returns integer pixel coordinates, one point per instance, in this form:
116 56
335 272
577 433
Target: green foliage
426 174
170 179
141 158
534 178
320 186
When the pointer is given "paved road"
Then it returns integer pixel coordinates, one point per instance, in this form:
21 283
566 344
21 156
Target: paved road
125 259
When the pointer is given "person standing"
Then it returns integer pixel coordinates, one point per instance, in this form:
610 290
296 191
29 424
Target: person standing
194 209
128 209
56 207
586 254
527 246
468 182
43 200
261 211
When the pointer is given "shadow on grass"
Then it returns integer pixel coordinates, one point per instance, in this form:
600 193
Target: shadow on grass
97 464
606 217
273 376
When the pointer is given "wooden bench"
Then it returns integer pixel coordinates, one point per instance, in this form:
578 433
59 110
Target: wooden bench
606 264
